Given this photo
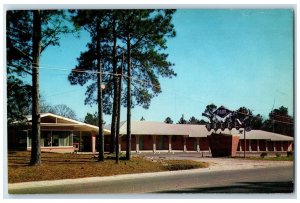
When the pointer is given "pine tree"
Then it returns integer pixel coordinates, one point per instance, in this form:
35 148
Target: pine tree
168 120
29 33
140 36
96 58
144 32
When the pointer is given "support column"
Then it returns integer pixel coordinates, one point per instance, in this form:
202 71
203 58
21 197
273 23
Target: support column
274 146
258 149
170 143
184 143
137 143
93 143
28 141
80 134
250 148
154 143
50 138
241 145
120 140
281 146
198 145
267 146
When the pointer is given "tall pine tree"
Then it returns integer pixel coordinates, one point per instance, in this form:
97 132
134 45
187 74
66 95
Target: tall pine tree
29 33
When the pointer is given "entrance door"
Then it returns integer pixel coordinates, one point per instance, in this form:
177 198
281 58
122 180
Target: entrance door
141 142
87 143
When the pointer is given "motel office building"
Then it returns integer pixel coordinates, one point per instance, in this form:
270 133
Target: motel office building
60 134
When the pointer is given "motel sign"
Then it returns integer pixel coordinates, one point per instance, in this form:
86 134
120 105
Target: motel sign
223 118
222 112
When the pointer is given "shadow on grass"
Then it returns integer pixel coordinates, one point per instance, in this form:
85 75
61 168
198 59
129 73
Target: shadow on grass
242 187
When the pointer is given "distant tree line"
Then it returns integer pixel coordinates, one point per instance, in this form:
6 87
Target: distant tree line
278 121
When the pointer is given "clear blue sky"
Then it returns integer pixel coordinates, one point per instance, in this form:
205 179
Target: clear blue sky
226 57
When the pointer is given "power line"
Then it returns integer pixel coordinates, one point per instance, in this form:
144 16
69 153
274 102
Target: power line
53 67
272 119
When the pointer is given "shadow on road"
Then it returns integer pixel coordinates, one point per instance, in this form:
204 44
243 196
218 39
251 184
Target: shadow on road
242 187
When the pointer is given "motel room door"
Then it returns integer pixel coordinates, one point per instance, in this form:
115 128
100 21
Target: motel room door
141 142
86 143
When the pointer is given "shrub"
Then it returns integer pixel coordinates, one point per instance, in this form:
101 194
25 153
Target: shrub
174 165
262 155
278 155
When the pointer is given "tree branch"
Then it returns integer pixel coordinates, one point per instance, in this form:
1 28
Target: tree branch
20 68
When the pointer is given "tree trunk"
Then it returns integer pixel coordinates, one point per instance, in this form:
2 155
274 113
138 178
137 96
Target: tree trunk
100 139
128 137
115 99
36 119
119 112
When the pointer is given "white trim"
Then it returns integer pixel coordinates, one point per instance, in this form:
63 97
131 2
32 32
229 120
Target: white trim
70 120
154 143
198 144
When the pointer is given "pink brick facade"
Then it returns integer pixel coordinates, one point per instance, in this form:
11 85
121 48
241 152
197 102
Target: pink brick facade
191 144
162 142
204 144
177 142
223 145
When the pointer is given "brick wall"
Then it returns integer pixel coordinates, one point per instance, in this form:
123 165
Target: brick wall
285 146
106 143
191 144
278 145
123 142
234 144
177 142
204 144
223 145
162 142
243 146
145 142
270 146
262 145
254 145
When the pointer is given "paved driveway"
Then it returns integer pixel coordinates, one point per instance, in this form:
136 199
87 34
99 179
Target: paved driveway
219 163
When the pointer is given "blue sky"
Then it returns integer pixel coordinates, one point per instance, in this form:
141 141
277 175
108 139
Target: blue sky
226 57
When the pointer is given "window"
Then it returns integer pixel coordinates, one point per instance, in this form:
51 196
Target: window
46 138
55 139
58 138
61 138
29 139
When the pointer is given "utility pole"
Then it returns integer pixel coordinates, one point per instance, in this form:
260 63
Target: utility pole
100 139
119 111
128 140
244 141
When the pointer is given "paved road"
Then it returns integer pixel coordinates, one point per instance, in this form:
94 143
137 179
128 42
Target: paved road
278 179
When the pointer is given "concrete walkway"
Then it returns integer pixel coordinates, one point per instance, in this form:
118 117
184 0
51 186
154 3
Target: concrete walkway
216 164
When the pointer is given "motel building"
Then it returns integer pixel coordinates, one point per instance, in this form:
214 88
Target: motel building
64 135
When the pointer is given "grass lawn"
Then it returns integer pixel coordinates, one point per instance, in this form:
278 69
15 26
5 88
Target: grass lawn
67 166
